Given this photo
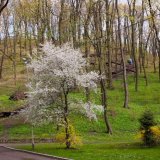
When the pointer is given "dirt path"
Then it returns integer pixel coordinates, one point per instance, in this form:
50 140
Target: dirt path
8 154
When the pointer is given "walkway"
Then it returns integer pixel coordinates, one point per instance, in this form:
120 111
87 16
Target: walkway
9 154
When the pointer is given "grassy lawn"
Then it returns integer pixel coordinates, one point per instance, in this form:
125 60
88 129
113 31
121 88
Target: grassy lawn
104 151
9 105
7 87
123 144
96 143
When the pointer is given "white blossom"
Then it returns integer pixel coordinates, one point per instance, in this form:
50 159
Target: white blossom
55 70
88 80
91 110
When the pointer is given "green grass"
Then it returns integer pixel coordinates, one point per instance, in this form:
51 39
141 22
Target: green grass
104 151
8 105
8 87
122 145
97 144
23 131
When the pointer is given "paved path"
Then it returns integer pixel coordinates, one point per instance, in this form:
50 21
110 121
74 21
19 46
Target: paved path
8 154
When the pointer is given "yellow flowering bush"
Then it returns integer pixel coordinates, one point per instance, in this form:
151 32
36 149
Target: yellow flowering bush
154 133
146 122
140 135
74 139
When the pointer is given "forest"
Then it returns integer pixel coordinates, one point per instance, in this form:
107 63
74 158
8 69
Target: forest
80 79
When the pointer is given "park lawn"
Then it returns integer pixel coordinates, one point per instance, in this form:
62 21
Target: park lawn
100 151
7 105
97 144
124 121
123 144
8 87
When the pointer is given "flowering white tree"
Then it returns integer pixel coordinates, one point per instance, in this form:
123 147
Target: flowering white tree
56 73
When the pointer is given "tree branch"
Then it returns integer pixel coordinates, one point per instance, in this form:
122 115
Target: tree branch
3 5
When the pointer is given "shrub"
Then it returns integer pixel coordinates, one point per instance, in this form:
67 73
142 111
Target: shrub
156 133
146 124
74 139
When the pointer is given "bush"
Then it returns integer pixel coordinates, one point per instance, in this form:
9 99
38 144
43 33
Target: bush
156 133
74 139
146 128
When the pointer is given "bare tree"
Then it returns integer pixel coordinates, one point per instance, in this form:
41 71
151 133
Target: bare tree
123 58
3 5
155 30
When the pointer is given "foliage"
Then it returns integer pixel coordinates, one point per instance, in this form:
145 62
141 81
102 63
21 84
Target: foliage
156 133
153 133
74 139
56 72
91 110
147 122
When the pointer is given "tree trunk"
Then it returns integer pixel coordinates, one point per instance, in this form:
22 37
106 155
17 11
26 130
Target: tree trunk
133 48
156 33
68 142
123 60
33 143
104 99
109 57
